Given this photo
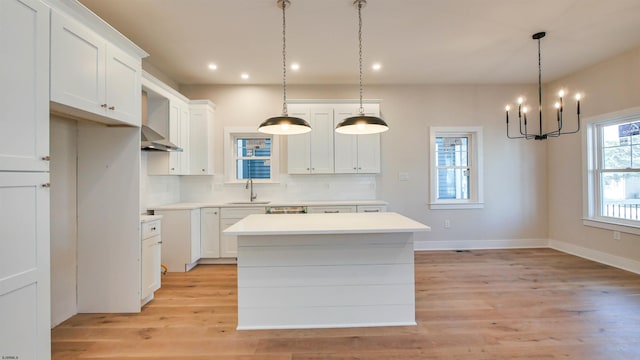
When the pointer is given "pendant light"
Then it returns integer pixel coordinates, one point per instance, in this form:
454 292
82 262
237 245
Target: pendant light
284 124
361 124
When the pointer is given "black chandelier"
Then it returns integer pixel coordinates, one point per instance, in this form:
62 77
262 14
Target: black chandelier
522 109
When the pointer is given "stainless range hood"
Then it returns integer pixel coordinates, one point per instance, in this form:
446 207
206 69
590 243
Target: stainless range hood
151 140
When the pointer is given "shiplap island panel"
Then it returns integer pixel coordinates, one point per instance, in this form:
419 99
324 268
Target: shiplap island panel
325 270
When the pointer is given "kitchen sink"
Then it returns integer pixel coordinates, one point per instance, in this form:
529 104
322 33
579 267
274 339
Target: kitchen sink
248 202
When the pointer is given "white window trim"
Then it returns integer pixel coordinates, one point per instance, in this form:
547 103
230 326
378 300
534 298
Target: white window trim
590 185
229 148
477 193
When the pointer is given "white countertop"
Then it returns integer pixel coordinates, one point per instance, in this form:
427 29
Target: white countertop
344 223
188 206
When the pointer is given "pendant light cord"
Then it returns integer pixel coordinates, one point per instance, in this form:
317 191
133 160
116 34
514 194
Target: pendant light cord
284 59
360 51
540 87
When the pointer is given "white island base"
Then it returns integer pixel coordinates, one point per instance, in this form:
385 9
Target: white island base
325 270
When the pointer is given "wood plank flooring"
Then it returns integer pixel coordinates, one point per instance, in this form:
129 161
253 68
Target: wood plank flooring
470 305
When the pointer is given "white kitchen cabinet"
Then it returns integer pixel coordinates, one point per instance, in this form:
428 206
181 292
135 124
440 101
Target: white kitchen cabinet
180 238
356 153
201 115
331 209
90 77
176 128
210 233
25 289
312 153
228 217
24 70
150 259
371 208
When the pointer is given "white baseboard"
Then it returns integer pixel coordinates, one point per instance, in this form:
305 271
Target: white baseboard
479 244
597 256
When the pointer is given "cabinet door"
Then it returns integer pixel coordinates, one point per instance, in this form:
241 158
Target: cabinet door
331 209
24 70
195 235
345 146
123 78
210 233
77 65
299 146
184 138
24 264
228 243
369 153
321 139
175 157
200 140
150 266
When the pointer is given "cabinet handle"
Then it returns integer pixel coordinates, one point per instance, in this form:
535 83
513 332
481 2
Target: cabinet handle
153 228
331 211
308 169
355 169
46 158
359 168
173 169
47 185
159 242
372 210
202 170
112 107
103 105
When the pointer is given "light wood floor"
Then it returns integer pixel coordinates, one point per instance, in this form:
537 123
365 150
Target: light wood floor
496 304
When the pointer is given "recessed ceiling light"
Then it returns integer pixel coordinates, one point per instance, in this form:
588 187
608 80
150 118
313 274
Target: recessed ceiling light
295 66
376 66
213 66
245 76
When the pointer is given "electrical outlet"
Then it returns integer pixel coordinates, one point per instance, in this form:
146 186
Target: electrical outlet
447 224
616 235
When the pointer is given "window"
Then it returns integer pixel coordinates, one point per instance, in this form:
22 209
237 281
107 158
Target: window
250 155
612 176
456 167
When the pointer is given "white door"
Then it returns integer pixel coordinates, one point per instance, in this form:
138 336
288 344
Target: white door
175 157
77 65
321 139
123 87
24 70
228 243
210 236
184 138
25 288
299 146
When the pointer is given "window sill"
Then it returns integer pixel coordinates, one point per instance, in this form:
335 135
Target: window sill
611 225
455 206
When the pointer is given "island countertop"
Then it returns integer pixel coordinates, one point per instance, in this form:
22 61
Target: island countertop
343 223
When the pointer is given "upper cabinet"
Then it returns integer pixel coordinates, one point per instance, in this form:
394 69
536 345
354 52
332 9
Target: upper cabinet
92 78
24 70
356 153
201 113
312 153
322 151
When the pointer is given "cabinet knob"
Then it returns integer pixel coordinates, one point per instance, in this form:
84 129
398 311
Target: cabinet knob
308 169
153 228
202 170
112 107
173 169
46 158
355 169
47 185
159 242
103 105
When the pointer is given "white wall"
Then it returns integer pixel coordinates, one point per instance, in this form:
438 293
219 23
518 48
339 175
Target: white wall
610 86
515 170
64 236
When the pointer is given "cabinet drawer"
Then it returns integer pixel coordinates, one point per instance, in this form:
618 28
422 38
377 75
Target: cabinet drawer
371 208
240 213
330 209
151 228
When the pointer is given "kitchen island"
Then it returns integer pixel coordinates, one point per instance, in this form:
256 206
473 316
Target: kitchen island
325 270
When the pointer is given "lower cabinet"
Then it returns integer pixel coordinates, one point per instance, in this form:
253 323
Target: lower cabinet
210 233
180 238
150 260
228 217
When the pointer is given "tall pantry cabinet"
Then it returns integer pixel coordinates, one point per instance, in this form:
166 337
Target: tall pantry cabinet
24 180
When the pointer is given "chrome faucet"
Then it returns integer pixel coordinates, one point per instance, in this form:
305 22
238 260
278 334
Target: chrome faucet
252 195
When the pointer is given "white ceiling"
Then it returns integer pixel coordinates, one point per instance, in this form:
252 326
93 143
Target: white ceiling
417 41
